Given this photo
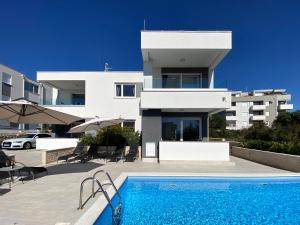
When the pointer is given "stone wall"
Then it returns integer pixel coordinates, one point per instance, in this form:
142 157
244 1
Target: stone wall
277 160
50 156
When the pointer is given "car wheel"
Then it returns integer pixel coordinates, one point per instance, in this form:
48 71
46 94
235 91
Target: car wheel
27 145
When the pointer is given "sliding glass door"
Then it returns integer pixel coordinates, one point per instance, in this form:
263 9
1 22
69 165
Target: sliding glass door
181 129
184 81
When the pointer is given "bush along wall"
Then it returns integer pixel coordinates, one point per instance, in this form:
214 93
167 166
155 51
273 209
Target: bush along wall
282 137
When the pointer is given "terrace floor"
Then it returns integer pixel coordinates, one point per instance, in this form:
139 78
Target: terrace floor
54 198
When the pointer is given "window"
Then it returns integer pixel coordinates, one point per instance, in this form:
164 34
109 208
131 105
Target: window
181 129
125 90
233 103
31 87
6 91
6 78
6 87
129 124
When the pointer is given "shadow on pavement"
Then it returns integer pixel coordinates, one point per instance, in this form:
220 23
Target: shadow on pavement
65 168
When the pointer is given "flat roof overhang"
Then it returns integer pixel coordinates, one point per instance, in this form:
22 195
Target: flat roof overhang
185 49
75 85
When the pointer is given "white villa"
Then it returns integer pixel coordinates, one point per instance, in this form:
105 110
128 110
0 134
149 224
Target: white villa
169 101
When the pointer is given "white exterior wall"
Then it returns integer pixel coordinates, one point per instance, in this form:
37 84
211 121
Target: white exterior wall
194 151
200 99
55 143
100 99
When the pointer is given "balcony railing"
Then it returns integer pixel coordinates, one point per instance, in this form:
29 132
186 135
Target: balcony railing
258 117
64 102
258 107
286 106
182 83
231 118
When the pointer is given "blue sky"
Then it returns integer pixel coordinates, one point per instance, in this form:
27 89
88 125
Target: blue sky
83 35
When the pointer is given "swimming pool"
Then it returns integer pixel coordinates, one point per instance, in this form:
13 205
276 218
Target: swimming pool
207 200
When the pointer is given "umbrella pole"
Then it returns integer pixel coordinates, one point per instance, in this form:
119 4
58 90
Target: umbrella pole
107 139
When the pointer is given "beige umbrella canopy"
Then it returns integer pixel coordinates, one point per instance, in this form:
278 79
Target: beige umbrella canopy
22 111
95 124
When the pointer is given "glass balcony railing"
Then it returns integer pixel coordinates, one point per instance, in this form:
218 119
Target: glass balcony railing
65 101
183 83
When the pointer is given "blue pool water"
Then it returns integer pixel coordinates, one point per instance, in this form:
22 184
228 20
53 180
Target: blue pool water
200 200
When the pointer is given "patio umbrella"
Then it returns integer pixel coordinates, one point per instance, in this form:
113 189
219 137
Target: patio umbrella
22 111
95 124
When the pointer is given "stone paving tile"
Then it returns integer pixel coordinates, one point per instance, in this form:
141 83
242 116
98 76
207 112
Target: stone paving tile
54 198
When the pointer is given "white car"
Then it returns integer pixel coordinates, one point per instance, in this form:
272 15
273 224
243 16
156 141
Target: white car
26 141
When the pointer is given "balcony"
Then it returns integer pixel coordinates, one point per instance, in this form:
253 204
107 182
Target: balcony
258 107
33 97
195 99
286 106
231 118
258 117
232 108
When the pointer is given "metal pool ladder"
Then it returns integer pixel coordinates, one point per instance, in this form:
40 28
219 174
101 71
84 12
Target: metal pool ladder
116 211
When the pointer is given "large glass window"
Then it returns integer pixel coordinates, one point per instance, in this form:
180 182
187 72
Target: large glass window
125 90
181 129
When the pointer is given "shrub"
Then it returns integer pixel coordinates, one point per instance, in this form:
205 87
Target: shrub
113 136
88 139
257 144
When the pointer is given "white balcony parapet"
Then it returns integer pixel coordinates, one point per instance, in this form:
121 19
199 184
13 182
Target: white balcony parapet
258 117
76 110
232 108
258 107
231 117
193 151
200 99
286 106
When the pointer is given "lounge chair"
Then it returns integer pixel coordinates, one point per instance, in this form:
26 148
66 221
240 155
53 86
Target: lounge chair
80 152
104 152
133 154
6 161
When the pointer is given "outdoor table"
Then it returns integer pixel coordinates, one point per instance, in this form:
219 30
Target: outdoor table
10 170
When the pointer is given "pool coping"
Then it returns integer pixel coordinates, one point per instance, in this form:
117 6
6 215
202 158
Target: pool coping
92 213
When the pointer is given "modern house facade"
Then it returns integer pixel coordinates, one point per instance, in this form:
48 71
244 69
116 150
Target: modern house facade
15 85
258 105
168 102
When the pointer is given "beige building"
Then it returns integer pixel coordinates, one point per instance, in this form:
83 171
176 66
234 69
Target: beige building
258 105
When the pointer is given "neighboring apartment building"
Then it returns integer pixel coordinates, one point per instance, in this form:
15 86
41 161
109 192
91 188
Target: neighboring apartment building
258 105
15 85
169 101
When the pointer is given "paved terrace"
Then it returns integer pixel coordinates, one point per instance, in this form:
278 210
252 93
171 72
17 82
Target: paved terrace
54 198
